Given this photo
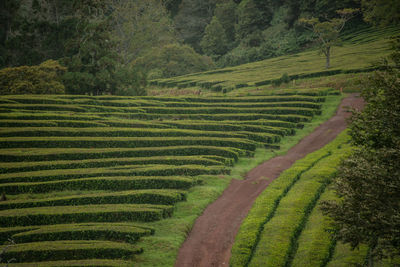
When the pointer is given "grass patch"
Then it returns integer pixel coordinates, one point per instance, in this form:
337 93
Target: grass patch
162 248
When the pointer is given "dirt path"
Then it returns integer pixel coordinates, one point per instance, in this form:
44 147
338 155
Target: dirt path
211 239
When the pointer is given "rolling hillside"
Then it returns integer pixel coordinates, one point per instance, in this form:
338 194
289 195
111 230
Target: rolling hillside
358 53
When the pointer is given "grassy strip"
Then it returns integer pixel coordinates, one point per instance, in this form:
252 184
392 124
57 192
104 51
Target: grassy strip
110 162
13 155
126 232
126 170
85 213
70 250
149 196
126 142
101 183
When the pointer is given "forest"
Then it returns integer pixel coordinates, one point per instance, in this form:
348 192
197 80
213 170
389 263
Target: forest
116 46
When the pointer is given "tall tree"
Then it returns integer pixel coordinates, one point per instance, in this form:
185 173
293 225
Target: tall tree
381 12
249 24
191 20
226 15
368 183
139 26
328 32
214 42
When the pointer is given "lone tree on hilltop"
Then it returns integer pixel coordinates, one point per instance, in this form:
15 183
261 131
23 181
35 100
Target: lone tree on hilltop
328 31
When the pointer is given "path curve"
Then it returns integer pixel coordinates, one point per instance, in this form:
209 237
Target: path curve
211 239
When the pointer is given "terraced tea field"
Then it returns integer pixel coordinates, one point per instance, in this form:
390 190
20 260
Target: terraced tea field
359 52
84 177
286 227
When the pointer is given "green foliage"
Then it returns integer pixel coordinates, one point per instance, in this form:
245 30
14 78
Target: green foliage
214 41
368 182
248 27
173 60
64 250
328 31
267 204
95 184
42 79
384 12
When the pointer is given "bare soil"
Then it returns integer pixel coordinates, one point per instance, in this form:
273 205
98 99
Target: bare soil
212 236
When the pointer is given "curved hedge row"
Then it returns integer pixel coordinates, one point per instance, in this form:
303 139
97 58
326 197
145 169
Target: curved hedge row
127 232
126 142
110 162
267 218
128 170
148 196
70 250
98 153
91 163
84 213
102 183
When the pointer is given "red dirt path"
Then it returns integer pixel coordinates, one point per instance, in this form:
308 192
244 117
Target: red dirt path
211 239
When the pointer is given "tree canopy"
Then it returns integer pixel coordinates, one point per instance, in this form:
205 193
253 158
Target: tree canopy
368 182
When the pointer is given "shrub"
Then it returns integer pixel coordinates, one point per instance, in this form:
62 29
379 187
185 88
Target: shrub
41 79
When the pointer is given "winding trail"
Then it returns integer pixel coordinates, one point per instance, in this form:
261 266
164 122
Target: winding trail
211 239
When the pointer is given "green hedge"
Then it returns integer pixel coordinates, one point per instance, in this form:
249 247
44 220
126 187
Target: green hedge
70 250
315 244
127 170
216 117
26 123
109 142
82 154
266 204
257 99
150 196
103 183
228 110
300 104
75 263
49 117
46 107
230 126
111 132
126 232
108 162
86 213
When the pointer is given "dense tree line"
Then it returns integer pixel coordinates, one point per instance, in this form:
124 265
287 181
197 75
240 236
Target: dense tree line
113 46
